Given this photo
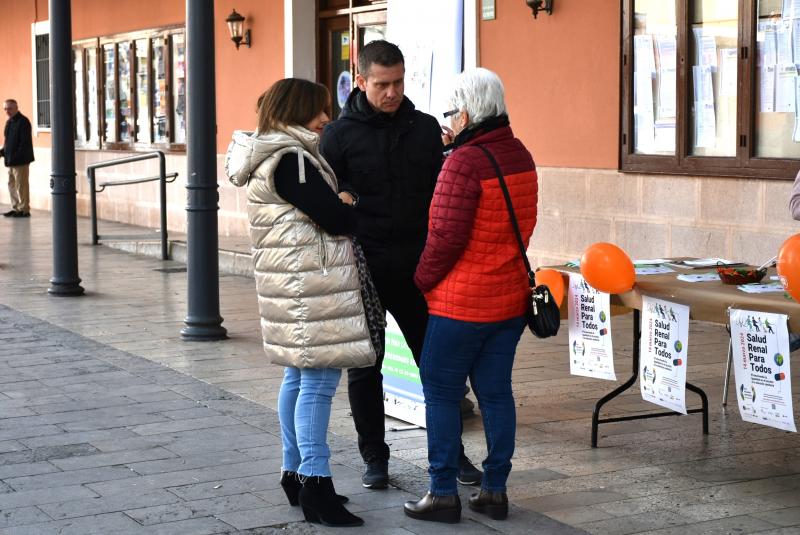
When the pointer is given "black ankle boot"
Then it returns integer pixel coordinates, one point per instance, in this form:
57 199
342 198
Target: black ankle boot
487 502
435 508
291 486
321 505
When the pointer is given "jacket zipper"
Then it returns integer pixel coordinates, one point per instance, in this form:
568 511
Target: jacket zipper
323 253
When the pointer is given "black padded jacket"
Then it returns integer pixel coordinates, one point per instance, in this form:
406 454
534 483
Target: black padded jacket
391 163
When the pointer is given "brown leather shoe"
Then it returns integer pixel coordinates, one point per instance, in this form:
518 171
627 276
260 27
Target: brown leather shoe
493 504
435 508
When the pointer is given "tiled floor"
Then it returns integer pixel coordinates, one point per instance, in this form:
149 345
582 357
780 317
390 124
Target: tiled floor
654 476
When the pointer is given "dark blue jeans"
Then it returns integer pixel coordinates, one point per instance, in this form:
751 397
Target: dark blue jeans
484 352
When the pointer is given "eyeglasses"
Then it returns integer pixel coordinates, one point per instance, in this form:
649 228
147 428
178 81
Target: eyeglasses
450 113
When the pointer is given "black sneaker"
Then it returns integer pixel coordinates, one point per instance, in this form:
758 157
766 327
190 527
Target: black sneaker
10 213
467 473
376 475
22 214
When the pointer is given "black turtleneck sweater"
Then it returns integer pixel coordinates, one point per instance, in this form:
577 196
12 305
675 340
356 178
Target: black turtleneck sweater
314 196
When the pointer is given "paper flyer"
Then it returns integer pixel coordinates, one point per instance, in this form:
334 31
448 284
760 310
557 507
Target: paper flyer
643 111
761 362
700 277
785 89
652 270
728 71
767 89
643 54
590 349
761 288
663 352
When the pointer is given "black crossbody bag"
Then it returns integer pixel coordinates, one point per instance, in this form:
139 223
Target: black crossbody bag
543 315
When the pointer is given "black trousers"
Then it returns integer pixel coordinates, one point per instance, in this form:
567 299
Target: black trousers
365 385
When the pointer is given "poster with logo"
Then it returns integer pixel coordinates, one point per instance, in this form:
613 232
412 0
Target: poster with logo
760 343
402 387
663 351
590 350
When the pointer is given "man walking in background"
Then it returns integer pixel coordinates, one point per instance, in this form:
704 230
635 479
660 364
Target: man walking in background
17 153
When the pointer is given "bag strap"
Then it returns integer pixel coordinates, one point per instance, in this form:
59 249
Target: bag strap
511 214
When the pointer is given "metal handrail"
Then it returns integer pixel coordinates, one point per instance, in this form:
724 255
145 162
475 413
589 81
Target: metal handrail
102 185
162 178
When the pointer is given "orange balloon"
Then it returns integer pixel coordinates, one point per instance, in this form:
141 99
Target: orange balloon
789 266
607 268
554 280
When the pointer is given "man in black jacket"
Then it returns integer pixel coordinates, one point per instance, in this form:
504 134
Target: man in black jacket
386 156
17 152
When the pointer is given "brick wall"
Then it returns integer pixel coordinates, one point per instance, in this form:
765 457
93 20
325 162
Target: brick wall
660 215
137 204
647 215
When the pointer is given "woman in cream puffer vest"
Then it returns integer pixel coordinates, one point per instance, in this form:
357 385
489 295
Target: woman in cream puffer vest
309 292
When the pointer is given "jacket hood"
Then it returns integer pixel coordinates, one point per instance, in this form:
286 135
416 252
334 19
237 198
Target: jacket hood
358 108
248 150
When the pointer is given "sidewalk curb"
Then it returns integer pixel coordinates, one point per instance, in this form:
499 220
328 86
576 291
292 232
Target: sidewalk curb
230 262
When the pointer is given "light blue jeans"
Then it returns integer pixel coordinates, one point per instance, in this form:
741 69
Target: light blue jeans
304 409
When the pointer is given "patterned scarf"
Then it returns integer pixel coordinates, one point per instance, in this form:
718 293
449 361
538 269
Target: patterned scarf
376 316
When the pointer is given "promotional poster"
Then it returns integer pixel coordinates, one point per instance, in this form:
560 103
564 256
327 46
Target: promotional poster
760 348
591 353
663 351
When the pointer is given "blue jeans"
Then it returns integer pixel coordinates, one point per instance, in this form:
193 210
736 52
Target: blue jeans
484 352
304 409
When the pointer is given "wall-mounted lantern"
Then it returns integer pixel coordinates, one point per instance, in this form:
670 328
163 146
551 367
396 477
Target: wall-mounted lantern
235 26
540 5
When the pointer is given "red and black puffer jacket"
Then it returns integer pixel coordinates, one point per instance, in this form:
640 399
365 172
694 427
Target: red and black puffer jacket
471 268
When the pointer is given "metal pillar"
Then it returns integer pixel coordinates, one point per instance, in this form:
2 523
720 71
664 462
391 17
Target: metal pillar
203 321
65 280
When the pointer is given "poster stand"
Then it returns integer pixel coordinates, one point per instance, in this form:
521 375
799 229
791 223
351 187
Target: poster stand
596 420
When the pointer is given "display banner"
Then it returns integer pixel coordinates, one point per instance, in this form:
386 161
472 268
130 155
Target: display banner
433 47
760 344
663 351
590 350
402 387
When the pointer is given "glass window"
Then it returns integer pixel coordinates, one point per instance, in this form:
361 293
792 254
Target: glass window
160 102
130 90
777 84
93 118
735 69
81 136
178 89
110 93
375 32
125 108
142 92
342 80
654 77
714 25
42 44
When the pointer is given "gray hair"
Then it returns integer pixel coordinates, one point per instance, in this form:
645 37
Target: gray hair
480 93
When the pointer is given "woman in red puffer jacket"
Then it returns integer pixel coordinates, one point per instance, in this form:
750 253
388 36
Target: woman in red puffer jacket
477 289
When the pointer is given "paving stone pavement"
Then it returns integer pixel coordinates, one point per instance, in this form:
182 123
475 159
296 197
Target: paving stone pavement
109 423
97 439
